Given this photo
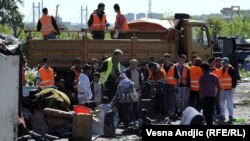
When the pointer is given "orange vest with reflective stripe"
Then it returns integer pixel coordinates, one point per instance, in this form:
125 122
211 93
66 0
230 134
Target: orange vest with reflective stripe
170 76
98 25
47 77
225 80
195 74
118 23
184 74
47 26
217 72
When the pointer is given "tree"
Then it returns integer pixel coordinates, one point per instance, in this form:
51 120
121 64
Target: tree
217 26
10 16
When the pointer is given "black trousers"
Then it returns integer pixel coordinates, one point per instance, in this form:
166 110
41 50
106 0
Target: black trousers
194 100
98 35
208 107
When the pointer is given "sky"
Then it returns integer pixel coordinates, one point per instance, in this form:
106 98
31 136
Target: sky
69 10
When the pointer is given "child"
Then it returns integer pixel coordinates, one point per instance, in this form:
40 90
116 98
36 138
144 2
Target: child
96 88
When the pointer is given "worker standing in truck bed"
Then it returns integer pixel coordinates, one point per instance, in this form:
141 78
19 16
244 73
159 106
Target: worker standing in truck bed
48 26
121 23
97 22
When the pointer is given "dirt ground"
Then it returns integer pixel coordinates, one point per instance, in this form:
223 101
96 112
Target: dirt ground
242 102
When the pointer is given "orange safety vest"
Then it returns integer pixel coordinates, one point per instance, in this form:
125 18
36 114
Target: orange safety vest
195 74
225 80
217 72
184 75
170 76
47 77
47 26
98 25
118 22
158 76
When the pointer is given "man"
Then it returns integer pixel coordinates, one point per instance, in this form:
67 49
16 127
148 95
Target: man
182 96
48 26
84 90
228 83
156 83
172 80
74 74
134 73
45 76
208 92
97 22
216 72
110 69
195 74
121 24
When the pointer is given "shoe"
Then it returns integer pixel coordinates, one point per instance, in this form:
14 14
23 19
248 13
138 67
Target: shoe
168 121
231 119
222 118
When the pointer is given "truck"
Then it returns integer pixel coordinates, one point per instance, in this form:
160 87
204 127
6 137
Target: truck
146 38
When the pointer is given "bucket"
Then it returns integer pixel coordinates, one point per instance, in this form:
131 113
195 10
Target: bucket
81 109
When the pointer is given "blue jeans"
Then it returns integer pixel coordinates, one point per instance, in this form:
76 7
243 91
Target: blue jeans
226 96
182 98
50 36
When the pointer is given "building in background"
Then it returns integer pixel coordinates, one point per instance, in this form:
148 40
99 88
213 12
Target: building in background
130 17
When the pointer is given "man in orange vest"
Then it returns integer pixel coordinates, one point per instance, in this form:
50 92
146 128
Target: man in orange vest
228 83
182 96
195 74
172 79
45 76
97 22
121 24
156 83
48 26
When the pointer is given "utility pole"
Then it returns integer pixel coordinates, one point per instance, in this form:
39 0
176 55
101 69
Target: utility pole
86 16
57 12
34 8
42 4
149 8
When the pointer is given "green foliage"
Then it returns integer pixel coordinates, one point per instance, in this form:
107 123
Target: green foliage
238 26
5 29
10 16
244 73
31 75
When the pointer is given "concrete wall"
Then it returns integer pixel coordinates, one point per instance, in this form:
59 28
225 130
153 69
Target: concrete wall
9 77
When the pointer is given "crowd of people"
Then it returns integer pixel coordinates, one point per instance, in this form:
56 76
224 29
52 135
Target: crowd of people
202 84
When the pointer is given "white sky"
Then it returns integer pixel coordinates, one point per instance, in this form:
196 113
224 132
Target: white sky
69 10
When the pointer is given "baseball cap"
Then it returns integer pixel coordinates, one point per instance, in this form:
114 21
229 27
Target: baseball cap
225 59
